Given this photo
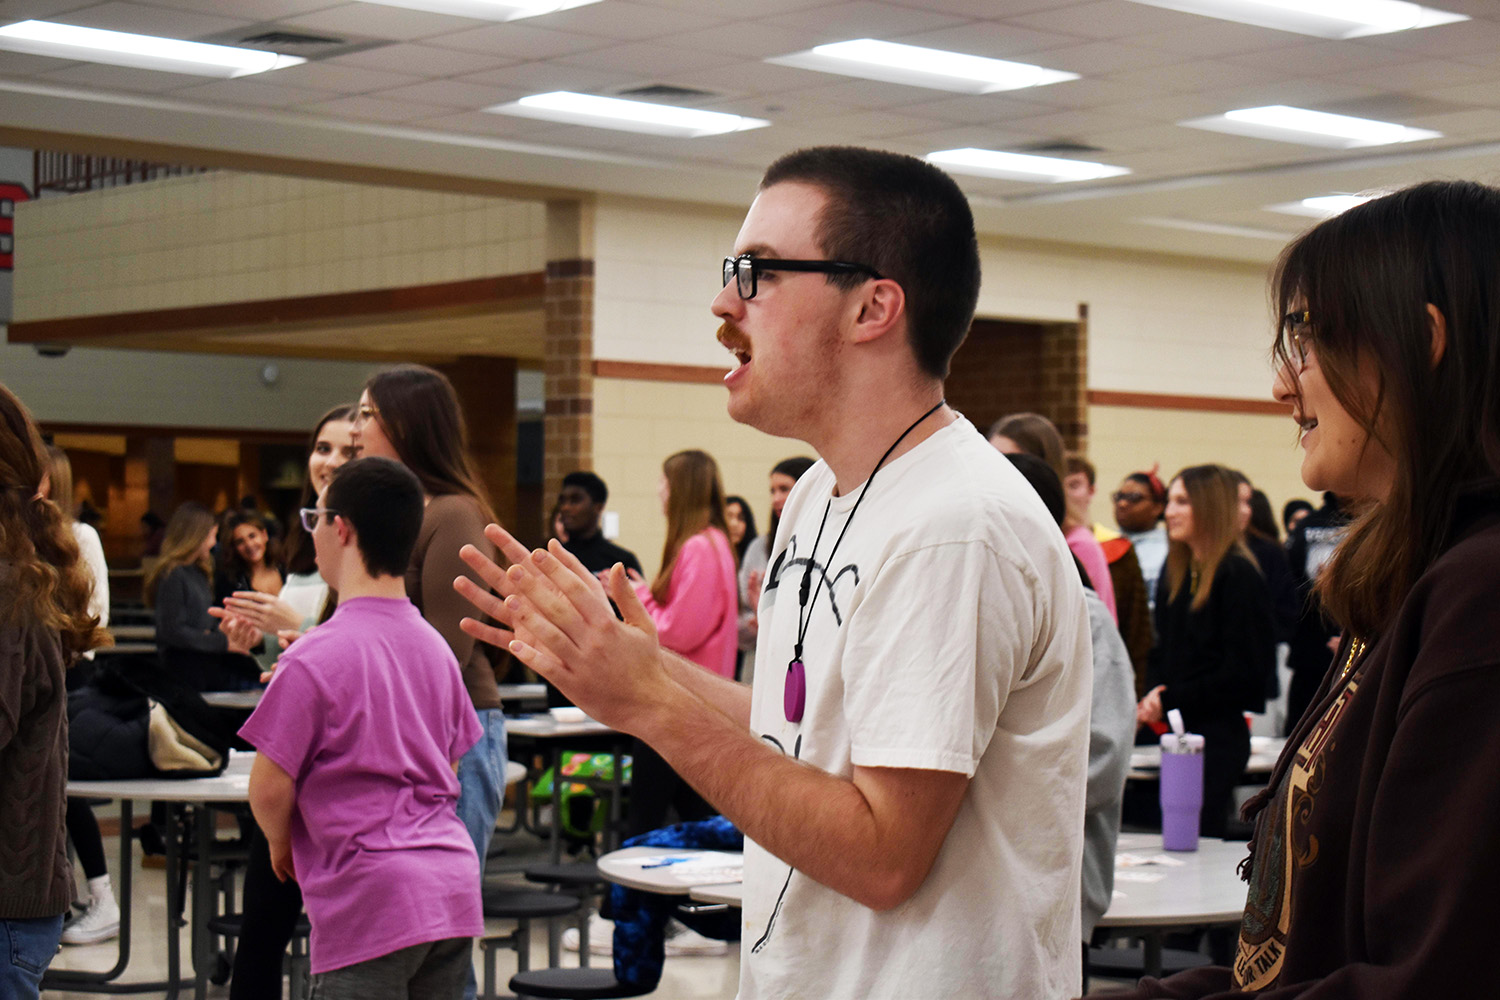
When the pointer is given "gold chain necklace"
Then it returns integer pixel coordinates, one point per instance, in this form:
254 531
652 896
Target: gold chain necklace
1356 650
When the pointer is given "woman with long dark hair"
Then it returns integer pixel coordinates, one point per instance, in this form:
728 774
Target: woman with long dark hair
1216 639
410 413
45 625
188 640
271 906
694 602
1374 871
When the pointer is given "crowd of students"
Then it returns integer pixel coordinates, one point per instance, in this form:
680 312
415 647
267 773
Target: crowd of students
382 745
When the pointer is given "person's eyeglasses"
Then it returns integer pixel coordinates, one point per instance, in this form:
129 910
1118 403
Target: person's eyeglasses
365 412
1296 327
745 270
310 516
1123 497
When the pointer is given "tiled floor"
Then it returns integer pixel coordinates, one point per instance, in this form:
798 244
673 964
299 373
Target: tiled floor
684 977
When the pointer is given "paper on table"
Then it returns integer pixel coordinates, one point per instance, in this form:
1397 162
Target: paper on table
703 868
1133 876
1137 860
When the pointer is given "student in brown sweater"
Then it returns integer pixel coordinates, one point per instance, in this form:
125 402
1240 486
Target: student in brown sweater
1375 872
410 413
45 624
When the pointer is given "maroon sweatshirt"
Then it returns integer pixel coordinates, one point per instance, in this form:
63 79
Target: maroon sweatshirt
1376 868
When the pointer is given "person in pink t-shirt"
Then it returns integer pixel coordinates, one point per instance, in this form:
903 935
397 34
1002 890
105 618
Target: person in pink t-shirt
359 737
694 603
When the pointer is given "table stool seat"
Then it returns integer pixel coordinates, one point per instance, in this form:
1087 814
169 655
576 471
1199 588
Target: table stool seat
506 903
1130 963
577 873
573 984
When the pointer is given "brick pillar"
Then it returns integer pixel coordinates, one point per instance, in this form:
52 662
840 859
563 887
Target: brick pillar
568 440
568 351
1065 380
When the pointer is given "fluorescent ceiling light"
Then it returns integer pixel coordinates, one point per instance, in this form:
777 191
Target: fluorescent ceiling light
628 116
1323 206
891 62
1310 128
1021 166
488 10
1215 228
120 48
1320 18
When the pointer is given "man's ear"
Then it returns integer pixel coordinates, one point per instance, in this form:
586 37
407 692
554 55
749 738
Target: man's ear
344 528
881 308
1437 330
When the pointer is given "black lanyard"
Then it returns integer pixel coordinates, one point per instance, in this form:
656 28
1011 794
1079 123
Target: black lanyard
794 691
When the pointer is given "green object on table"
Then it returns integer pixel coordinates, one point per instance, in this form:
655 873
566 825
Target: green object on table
583 813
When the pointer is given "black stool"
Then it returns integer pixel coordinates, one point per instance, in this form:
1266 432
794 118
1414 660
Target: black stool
503 902
574 984
299 968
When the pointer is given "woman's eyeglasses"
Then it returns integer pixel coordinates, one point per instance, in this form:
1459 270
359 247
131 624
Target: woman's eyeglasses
365 412
1296 329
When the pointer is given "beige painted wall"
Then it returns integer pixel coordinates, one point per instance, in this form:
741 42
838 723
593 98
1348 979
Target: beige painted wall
1125 439
637 424
228 237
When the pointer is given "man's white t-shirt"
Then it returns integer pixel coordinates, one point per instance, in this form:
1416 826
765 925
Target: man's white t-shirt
951 635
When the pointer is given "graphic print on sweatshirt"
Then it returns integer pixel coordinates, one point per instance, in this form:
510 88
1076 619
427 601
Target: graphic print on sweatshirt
827 585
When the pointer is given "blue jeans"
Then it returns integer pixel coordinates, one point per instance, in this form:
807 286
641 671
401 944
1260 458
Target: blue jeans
26 949
481 783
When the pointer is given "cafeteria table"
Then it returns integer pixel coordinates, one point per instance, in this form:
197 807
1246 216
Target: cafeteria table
193 798
1145 761
555 732
1158 892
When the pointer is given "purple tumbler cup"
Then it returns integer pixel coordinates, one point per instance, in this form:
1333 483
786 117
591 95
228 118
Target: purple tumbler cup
1181 790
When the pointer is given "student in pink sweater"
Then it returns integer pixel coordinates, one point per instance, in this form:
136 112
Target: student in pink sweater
694 602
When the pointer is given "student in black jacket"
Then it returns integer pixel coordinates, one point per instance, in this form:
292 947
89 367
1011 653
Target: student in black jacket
1216 642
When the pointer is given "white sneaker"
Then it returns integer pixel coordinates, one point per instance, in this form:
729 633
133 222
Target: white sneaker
601 936
100 922
682 940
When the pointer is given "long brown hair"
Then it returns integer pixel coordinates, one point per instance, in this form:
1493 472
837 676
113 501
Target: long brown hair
419 412
300 557
50 586
695 500
188 526
230 564
60 481
1214 494
1366 278
1035 435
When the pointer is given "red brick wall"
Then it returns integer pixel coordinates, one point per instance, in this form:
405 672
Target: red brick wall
1011 367
568 368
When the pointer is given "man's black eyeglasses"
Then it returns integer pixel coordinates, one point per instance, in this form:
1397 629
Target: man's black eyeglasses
745 269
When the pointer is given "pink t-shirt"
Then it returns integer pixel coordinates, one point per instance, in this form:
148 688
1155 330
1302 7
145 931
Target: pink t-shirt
700 618
1089 552
365 712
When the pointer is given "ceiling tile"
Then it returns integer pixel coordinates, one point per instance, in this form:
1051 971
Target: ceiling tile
625 21
982 110
338 78
752 77
144 81
1200 75
422 60
877 124
976 135
1078 125
250 93
1096 59
379 21
1480 94
1423 75
518 40
1457 124
1320 59
259 10
746 39
445 93
762 8
22 10
1457 39
24 64
537 77
997 41
643 60
1106 19
365 108
1218 38
871 93
144 20
997 9
1088 92
863 19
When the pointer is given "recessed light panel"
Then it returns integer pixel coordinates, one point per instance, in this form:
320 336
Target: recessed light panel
1310 128
1323 206
891 62
487 10
121 48
1021 166
1320 18
628 116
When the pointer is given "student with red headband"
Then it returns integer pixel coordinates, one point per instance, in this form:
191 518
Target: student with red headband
1139 505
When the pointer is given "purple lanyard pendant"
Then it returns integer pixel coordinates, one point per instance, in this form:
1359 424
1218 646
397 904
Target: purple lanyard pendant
794 694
